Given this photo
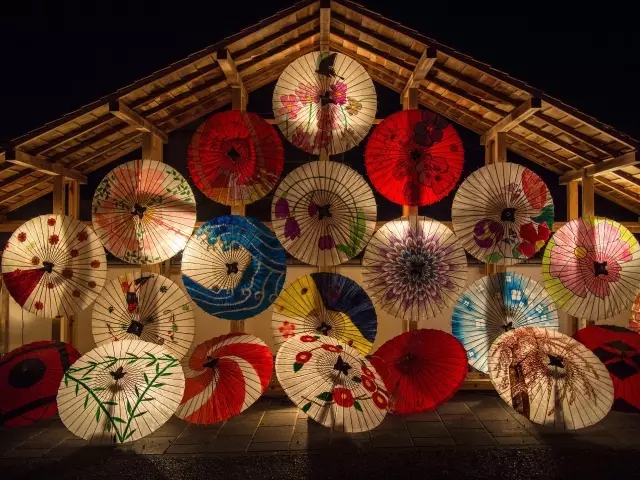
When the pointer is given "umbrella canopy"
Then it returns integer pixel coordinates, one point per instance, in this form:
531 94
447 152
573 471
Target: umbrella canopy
29 380
634 317
591 268
144 212
413 268
495 304
550 378
233 267
224 377
332 383
414 157
144 306
235 157
324 213
325 304
421 369
324 103
54 266
502 213
619 349
120 392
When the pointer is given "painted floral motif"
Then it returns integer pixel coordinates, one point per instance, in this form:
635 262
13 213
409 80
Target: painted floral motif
290 106
302 139
22 236
634 319
353 106
51 222
287 329
291 228
282 208
326 242
430 129
433 173
532 239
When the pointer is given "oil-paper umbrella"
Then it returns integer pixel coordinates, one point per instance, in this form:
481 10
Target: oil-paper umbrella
591 268
29 379
413 268
502 213
324 213
550 378
233 267
414 157
634 317
332 383
325 304
495 304
224 377
144 306
120 392
324 103
235 157
54 266
144 212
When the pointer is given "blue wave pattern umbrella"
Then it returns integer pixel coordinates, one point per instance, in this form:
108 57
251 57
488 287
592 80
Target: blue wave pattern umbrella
233 267
495 304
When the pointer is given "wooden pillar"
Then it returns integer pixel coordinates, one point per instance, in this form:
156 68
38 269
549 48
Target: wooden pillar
588 204
152 149
72 191
59 326
4 318
572 213
495 151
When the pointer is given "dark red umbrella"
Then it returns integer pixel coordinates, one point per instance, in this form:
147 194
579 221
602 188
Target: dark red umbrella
619 349
29 381
414 157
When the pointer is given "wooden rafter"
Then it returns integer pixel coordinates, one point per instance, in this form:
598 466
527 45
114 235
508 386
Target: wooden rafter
23 188
425 62
41 164
513 118
26 200
624 160
231 73
325 24
137 121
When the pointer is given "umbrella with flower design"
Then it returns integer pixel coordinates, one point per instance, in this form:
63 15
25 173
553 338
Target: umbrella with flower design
144 306
413 268
54 266
634 317
496 304
414 157
324 213
502 213
591 268
332 383
550 378
144 212
324 103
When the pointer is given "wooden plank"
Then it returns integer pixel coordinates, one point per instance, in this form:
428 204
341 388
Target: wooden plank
24 188
425 62
25 201
102 150
137 121
152 150
572 214
588 205
624 160
231 73
495 151
15 177
41 164
325 24
518 115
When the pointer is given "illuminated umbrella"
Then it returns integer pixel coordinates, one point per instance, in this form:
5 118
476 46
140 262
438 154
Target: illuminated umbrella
634 318
495 304
324 213
325 304
324 103
414 157
332 383
591 268
550 378
54 266
235 157
233 267
144 306
502 213
29 380
120 392
413 268
144 212
224 377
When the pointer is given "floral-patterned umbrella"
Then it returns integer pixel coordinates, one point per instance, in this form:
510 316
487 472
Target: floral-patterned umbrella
325 304
502 213
324 213
634 317
591 268
496 304
54 266
324 103
224 377
144 306
144 212
235 157
120 392
550 378
233 267
413 268
332 383
414 157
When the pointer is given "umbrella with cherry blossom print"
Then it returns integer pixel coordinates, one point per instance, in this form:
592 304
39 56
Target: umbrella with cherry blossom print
332 383
634 317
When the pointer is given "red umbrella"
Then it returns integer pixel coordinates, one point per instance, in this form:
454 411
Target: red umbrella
421 369
29 381
619 349
414 157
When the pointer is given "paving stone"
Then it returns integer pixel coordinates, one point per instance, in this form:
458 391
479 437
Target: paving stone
431 416
230 443
19 434
278 419
433 441
273 434
254 416
47 439
524 440
602 440
505 428
193 437
68 447
151 445
311 440
341 441
239 428
188 449
461 421
471 436
391 438
392 422
307 425
427 429
26 453
6 445
597 429
282 406
492 414
174 427
564 439
456 408
268 446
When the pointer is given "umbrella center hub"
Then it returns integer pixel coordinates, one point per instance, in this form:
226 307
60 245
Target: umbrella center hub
326 99
342 366
324 328
232 268
233 154
27 373
138 210
555 361
211 362
324 211
508 215
135 328
507 326
416 155
118 374
47 267
417 268
600 268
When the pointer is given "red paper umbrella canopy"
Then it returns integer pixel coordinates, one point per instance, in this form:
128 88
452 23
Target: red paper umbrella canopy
414 157
421 369
29 381
619 349
235 157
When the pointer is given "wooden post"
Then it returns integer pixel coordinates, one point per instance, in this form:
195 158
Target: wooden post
572 214
495 151
588 203
59 327
72 189
4 318
152 149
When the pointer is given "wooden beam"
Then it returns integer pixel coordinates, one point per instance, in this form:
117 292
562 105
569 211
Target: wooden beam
24 188
127 115
152 148
518 115
572 214
25 201
41 164
228 67
426 61
102 150
624 160
325 24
